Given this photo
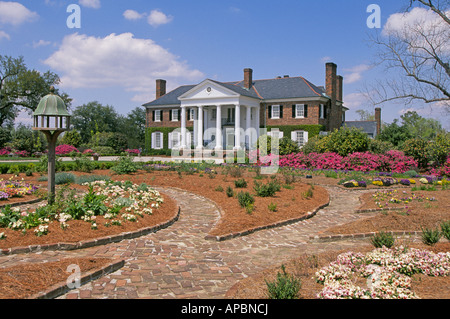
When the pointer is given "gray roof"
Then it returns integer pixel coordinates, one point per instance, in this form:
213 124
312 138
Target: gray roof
280 88
369 127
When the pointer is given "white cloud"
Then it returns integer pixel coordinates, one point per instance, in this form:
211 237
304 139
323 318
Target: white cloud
157 18
355 73
95 4
40 43
117 61
4 35
416 22
356 101
133 15
15 13
326 59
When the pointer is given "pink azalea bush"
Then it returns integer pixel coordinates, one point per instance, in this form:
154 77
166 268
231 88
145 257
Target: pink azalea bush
132 152
22 153
65 149
392 161
5 151
444 170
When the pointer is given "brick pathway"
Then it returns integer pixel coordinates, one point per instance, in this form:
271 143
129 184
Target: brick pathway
178 262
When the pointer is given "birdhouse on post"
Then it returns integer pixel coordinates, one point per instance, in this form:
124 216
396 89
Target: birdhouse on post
51 118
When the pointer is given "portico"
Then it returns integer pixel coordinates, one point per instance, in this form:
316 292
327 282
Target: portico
223 118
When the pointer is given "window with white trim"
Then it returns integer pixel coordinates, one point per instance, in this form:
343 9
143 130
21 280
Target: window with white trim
157 140
175 115
192 114
299 111
213 114
322 111
275 111
157 115
300 137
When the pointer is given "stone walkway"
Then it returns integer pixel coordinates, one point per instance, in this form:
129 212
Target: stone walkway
178 262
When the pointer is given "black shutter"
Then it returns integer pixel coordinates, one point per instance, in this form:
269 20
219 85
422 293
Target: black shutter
293 111
170 115
188 114
270 111
162 112
306 110
179 115
153 116
325 111
281 111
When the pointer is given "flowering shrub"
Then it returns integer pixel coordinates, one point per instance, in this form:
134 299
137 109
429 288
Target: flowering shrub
65 149
133 152
22 153
392 161
388 272
88 152
444 170
5 151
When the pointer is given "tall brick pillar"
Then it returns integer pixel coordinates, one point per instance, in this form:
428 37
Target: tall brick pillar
378 119
331 89
248 78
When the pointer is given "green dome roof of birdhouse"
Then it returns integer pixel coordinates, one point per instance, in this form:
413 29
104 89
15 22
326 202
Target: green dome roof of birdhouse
51 105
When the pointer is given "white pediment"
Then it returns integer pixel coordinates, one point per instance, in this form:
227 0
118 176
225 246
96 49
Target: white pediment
208 90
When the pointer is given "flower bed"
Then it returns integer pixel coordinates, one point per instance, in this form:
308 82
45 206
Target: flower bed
65 149
388 273
11 188
115 201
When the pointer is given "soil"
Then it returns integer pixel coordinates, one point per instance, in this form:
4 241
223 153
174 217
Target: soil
290 204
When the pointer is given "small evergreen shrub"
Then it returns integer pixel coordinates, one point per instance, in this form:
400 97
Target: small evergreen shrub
245 199
285 287
64 178
445 228
272 207
124 165
240 183
229 191
267 190
431 236
383 239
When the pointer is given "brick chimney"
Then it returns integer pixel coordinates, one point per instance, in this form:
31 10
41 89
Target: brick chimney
331 81
378 119
340 89
248 78
160 88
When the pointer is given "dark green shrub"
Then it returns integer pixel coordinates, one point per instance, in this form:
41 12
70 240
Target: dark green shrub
230 192
383 239
124 165
266 190
240 183
417 148
445 228
245 199
285 287
431 236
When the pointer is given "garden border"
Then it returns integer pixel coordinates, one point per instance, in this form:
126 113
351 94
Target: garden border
92 242
62 288
271 226
331 238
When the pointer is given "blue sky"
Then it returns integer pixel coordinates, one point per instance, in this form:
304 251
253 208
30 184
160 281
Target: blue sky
123 46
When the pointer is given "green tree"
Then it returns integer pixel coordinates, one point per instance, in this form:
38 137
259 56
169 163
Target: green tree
71 138
21 88
394 133
92 118
346 141
133 126
419 126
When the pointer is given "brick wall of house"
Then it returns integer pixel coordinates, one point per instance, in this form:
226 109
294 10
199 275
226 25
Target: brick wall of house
166 122
311 119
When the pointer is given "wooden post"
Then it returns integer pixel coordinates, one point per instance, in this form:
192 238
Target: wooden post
51 138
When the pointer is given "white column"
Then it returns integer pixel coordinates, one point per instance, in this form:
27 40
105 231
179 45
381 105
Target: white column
248 136
258 121
237 128
200 128
183 127
219 144
195 139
